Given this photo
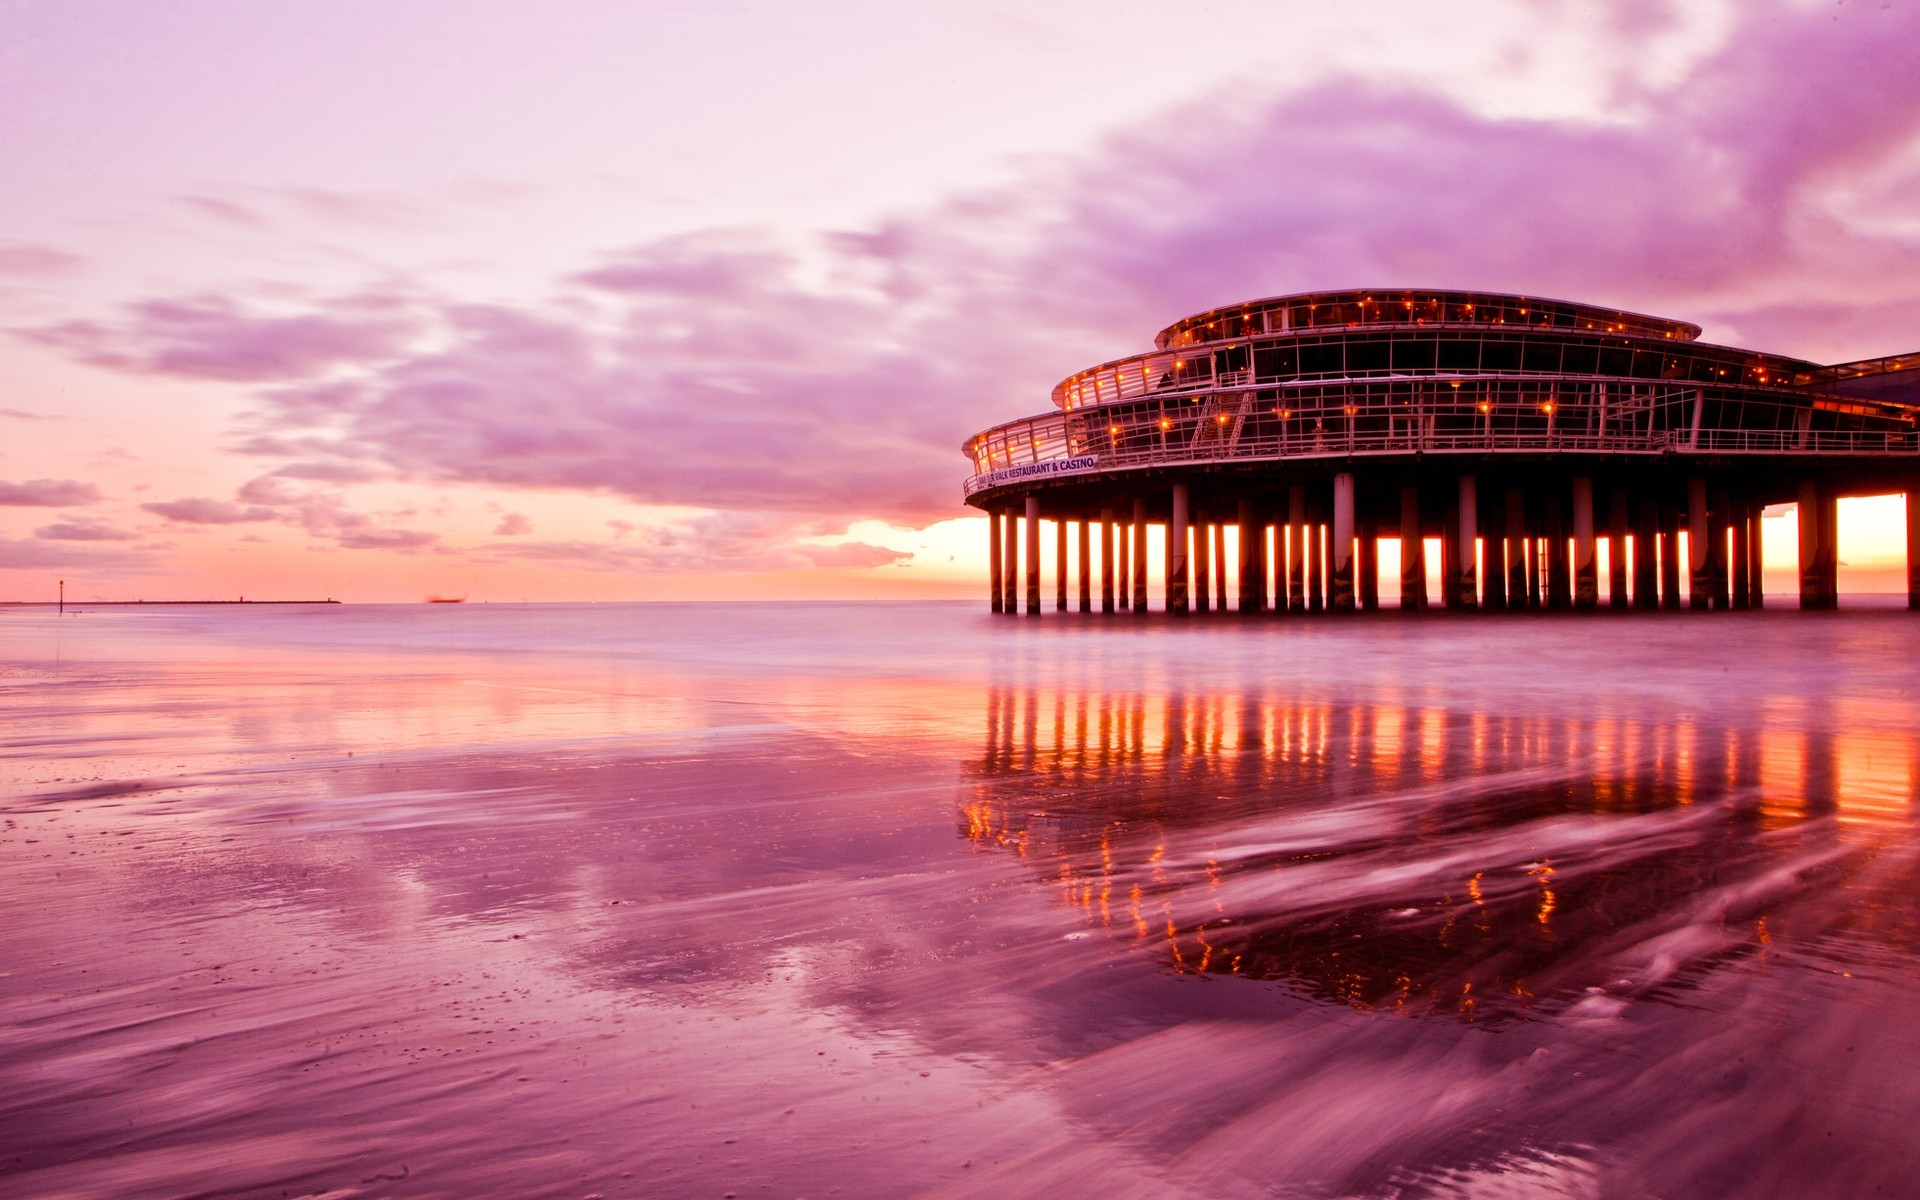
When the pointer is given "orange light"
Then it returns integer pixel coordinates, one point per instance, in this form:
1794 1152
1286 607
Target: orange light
1547 408
1113 429
1165 424
1485 407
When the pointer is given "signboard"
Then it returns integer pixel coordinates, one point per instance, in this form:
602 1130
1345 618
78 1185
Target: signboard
1051 466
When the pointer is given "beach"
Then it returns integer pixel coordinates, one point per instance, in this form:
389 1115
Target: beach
905 898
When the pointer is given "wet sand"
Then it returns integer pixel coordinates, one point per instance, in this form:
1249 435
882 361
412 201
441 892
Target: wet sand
905 899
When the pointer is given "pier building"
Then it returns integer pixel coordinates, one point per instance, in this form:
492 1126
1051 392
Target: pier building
1522 434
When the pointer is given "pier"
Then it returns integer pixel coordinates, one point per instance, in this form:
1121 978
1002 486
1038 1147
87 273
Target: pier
1276 443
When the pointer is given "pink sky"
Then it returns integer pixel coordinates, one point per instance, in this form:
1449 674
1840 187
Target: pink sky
615 301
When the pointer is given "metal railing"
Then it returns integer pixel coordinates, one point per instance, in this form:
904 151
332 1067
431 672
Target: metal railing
1078 452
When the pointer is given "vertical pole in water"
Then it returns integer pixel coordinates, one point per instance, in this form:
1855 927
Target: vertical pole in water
1033 556
1220 563
1819 523
1343 542
1718 513
1248 563
1140 556
1123 535
1913 551
1413 553
1699 545
1086 566
63 598
1517 550
1202 566
1586 568
1010 561
1669 556
994 565
1617 549
1106 560
1177 553
1646 557
1296 551
1756 595
1367 560
1316 561
1466 586
1741 513
1060 572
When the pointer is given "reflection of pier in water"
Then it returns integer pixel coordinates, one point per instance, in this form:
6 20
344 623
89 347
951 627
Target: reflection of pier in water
1416 858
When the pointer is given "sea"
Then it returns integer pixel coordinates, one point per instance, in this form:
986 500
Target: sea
892 899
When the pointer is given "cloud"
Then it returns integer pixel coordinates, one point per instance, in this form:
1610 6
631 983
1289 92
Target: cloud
513 524
39 554
15 414
387 539
20 259
48 493
196 510
84 531
209 337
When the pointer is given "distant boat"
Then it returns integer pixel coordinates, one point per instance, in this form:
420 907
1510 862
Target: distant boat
446 599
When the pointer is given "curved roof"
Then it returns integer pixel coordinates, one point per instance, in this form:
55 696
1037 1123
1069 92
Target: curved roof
1412 306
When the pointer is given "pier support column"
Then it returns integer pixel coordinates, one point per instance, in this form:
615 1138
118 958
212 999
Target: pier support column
1060 572
1586 566
1413 552
1010 564
1202 566
1366 561
1756 594
1719 514
1343 542
1646 557
1316 561
1517 549
1106 560
1296 551
1669 556
1033 556
1123 565
1913 550
1177 553
994 582
1494 582
1220 563
1140 556
1249 571
1742 515
1819 525
1466 584
1617 548
1086 566
1699 546
1558 567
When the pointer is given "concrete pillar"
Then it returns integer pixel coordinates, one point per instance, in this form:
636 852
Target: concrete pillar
1617 548
1413 552
1366 561
994 583
1220 563
1646 557
1010 564
1086 566
1559 572
1586 566
1249 561
1060 572
1669 556
1819 523
1517 549
1202 567
1756 595
1913 550
1033 556
1449 557
1106 560
1296 551
1316 561
1699 543
1740 515
1343 596
1177 552
1719 504
1466 584
1123 565
1140 556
